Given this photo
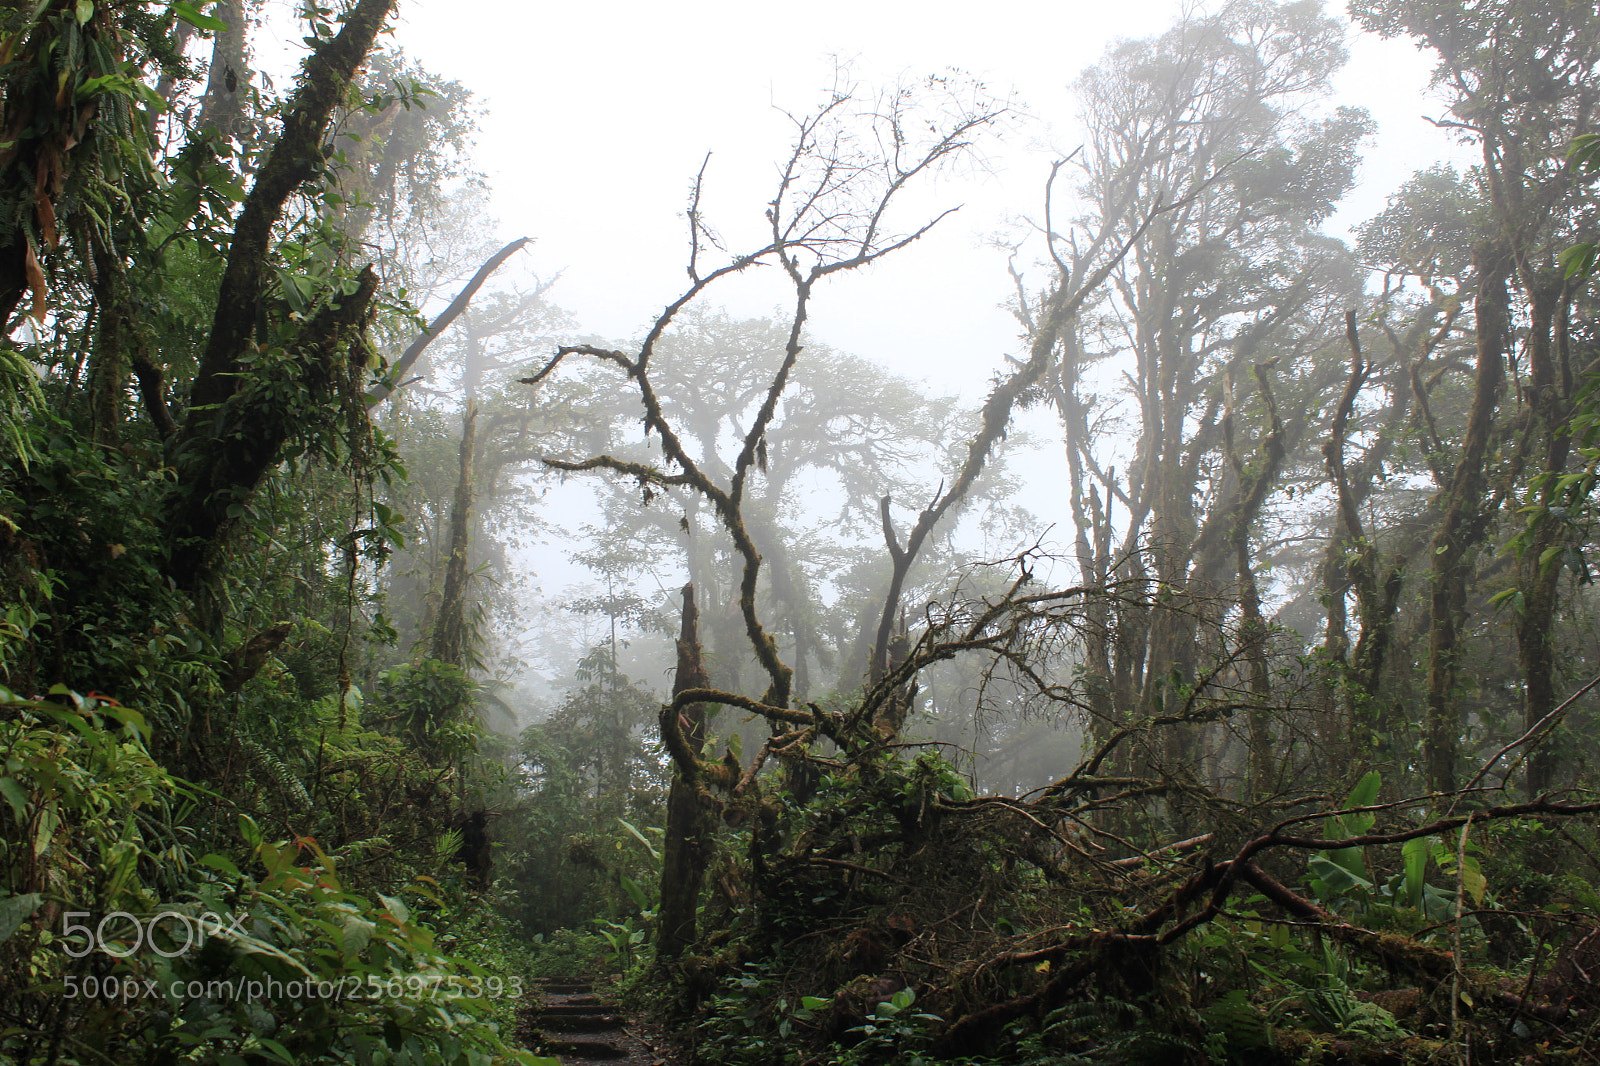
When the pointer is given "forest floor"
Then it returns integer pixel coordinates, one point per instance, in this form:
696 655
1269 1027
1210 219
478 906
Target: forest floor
577 1022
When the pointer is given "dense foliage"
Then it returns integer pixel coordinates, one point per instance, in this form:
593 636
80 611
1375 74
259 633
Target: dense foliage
237 825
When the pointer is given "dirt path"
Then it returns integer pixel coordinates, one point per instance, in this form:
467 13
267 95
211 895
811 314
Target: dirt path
579 1024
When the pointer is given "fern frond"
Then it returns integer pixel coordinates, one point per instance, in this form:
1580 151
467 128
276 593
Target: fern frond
274 769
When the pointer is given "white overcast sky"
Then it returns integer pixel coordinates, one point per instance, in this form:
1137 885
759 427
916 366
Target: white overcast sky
598 115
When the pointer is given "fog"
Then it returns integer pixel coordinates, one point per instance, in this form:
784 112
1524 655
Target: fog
596 120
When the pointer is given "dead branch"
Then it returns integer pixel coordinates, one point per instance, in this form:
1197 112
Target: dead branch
414 350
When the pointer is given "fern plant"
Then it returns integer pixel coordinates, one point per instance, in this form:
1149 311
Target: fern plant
1109 1031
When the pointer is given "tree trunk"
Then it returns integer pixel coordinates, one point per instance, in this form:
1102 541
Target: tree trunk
688 838
1352 563
451 642
228 79
1538 576
230 437
1462 524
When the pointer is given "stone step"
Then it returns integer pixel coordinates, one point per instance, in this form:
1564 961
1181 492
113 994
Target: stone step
584 1049
551 1010
580 1023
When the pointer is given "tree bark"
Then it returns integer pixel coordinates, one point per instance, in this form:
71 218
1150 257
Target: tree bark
1538 577
1353 562
450 629
228 79
1462 524
1252 626
295 159
222 459
688 837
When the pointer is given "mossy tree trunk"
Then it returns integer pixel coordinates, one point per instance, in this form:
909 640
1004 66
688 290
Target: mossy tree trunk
688 837
451 642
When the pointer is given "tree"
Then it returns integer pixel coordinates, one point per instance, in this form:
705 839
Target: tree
845 432
1227 304
1522 83
211 271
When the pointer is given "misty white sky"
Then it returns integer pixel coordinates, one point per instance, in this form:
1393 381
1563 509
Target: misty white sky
597 117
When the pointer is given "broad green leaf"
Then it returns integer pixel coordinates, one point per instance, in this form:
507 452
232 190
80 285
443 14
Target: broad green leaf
1414 853
1473 880
640 837
44 829
1365 794
256 946
1585 151
1436 904
813 1002
279 1052
14 910
191 14
635 893
1336 879
400 912
1580 260
357 935
15 796
1352 861
127 716
221 863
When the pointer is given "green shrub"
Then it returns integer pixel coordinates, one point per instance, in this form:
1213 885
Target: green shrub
119 944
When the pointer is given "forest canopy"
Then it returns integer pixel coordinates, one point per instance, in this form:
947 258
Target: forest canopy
1284 751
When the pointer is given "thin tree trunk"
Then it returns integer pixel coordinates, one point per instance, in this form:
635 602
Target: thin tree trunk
228 79
1538 576
1255 485
450 629
1463 520
1352 563
1091 543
